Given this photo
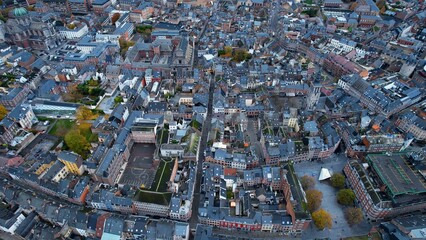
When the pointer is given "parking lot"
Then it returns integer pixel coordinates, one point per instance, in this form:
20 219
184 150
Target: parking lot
140 170
340 227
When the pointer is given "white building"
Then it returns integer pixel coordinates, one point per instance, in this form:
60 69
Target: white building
23 115
79 31
11 228
171 150
148 76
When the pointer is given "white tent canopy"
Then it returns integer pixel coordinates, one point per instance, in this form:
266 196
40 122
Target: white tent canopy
324 174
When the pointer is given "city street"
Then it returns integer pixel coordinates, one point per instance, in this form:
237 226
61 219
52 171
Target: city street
340 227
252 131
193 221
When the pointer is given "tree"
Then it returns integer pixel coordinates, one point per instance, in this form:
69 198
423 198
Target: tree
144 29
83 113
167 96
115 17
322 219
346 197
240 55
118 99
3 18
125 45
240 43
314 199
353 215
311 12
307 182
3 112
77 142
381 4
71 26
353 6
338 180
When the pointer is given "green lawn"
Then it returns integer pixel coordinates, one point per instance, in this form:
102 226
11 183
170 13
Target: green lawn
163 136
42 119
62 127
304 206
229 194
162 176
193 145
153 197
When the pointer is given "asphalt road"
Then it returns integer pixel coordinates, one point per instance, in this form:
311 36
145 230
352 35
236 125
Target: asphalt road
193 221
252 131
274 16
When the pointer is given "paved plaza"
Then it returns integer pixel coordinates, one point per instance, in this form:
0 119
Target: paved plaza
340 227
139 170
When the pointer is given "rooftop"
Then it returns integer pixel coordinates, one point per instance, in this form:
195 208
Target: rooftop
396 173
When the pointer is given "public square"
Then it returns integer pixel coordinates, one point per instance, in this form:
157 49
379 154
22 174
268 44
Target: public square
340 228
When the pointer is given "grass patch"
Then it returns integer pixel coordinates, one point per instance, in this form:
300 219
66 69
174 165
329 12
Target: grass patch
229 194
153 197
162 176
305 208
42 119
195 140
164 136
62 127
195 124
268 131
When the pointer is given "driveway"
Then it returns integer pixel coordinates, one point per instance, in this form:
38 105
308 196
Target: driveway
340 227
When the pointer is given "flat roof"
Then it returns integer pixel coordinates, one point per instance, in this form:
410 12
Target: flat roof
396 173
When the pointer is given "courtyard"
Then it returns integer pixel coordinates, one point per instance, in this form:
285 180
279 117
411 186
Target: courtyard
140 171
